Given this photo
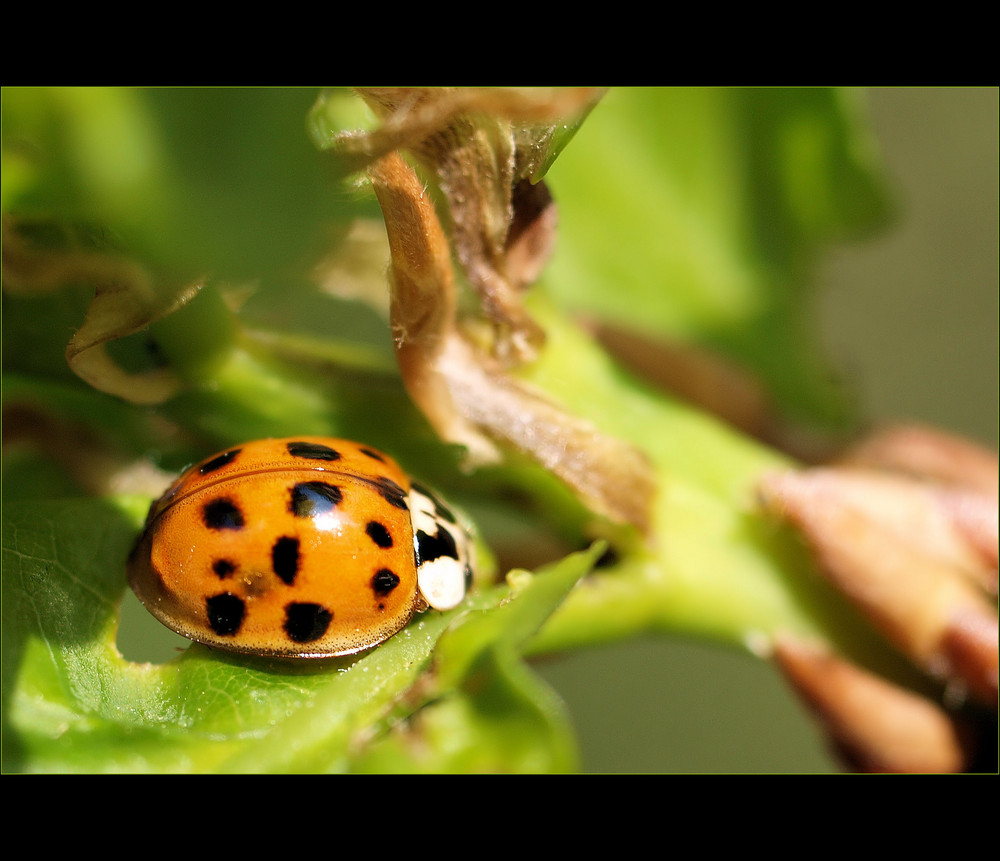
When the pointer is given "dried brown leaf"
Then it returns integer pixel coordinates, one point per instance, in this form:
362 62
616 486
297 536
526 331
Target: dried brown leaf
532 234
411 114
468 397
610 476
484 149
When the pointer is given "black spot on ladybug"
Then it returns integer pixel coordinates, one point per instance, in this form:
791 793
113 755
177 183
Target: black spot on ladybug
225 613
384 581
219 461
391 492
431 547
222 514
223 568
379 534
374 455
285 558
310 498
305 623
312 451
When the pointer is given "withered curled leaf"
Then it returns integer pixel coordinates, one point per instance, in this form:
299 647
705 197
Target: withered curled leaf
486 149
466 394
411 114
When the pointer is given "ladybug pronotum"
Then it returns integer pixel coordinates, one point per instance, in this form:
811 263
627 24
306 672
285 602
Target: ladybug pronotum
304 547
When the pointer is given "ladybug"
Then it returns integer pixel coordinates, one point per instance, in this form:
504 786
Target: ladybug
304 547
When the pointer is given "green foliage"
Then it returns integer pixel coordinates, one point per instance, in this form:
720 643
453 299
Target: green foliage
74 704
190 180
690 213
732 196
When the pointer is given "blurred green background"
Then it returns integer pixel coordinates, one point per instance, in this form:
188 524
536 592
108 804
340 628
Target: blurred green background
911 319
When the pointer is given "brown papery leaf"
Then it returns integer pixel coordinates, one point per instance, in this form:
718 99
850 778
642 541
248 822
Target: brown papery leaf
875 725
485 148
890 549
468 397
411 114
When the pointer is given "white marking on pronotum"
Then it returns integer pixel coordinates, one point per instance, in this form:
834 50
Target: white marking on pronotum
441 579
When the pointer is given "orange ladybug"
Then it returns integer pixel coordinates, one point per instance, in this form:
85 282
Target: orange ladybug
304 547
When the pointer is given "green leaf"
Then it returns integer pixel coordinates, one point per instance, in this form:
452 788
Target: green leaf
698 215
194 181
73 703
488 712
